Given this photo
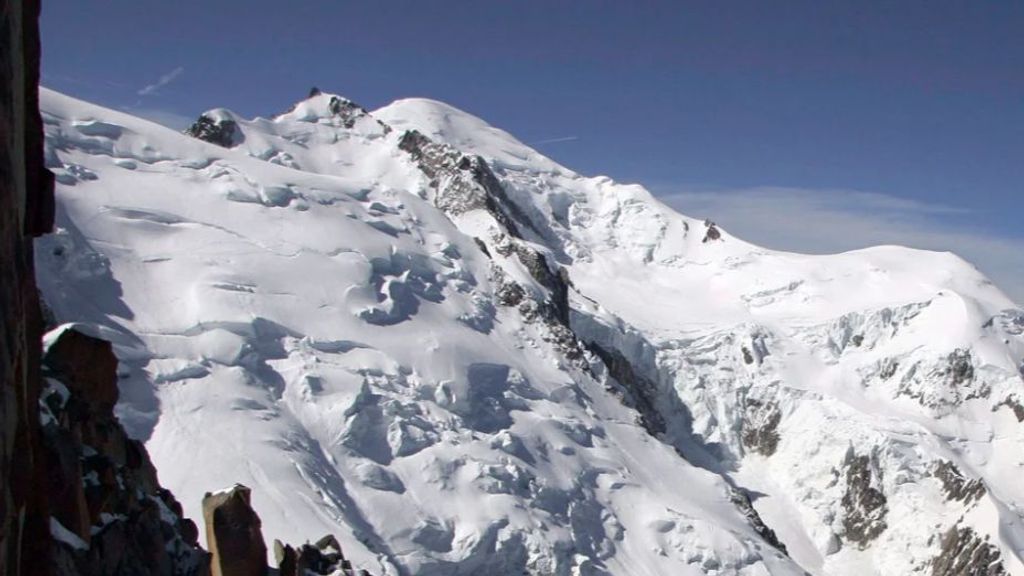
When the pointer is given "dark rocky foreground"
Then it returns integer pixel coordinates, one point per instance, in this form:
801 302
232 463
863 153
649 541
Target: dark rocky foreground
26 210
108 513
78 497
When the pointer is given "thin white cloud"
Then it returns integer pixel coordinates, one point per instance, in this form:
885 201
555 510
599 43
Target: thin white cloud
163 81
555 140
826 221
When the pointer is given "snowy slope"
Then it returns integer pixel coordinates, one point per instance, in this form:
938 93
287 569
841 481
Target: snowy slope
470 365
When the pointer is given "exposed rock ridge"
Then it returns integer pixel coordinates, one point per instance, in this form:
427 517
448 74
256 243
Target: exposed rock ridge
642 393
463 183
964 553
349 113
956 486
742 501
865 505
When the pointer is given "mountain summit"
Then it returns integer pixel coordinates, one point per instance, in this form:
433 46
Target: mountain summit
409 329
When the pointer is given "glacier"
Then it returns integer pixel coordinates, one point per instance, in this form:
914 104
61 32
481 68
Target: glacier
406 328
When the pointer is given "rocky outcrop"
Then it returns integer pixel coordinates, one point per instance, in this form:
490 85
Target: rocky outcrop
711 232
349 112
960 369
26 210
1014 405
642 393
108 514
557 283
233 534
223 132
963 553
946 383
236 542
865 506
324 557
760 427
956 486
461 182
741 500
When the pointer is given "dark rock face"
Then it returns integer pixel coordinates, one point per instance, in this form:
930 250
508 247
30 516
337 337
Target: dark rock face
747 357
960 369
233 534
461 183
26 210
324 557
955 485
712 232
1014 405
88 366
508 292
348 112
223 132
742 501
537 265
957 374
963 553
760 427
865 506
643 393
109 515
888 369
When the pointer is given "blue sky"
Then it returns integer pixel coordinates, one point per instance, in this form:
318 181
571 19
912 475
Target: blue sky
818 126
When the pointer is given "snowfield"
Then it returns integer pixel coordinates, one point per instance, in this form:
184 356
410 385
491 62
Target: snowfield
408 329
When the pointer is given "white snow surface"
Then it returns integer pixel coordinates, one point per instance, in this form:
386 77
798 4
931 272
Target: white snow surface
296 314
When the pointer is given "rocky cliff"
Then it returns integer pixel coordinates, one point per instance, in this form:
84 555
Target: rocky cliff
26 210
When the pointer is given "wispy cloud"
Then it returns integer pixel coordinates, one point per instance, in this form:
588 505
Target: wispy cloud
826 221
163 81
555 140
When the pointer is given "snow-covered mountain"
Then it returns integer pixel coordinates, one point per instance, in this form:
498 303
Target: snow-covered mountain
409 329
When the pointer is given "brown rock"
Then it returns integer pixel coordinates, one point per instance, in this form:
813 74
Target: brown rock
866 507
287 559
67 498
233 534
89 367
964 553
